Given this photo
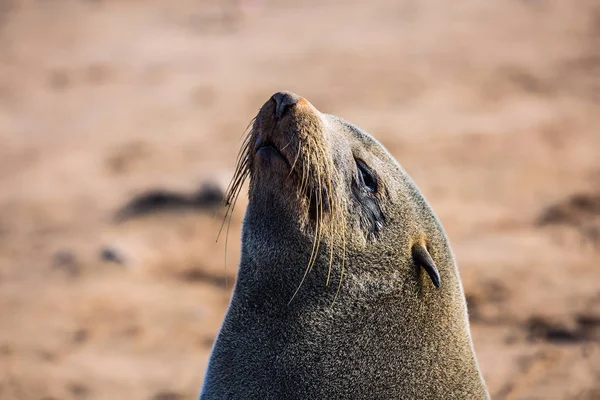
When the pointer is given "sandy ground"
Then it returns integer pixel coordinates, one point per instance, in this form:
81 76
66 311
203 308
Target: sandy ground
493 108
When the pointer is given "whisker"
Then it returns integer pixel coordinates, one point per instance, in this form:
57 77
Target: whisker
309 261
227 231
295 161
333 210
239 179
319 217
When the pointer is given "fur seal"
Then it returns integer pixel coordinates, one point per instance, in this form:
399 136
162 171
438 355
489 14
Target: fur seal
347 287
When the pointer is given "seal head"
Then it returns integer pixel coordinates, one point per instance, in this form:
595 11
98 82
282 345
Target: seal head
347 286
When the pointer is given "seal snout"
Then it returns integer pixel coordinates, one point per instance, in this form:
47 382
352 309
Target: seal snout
283 102
287 135
282 125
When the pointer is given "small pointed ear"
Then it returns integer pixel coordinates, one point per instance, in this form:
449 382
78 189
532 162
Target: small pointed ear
423 259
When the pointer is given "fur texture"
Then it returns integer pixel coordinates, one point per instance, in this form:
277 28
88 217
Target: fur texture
386 331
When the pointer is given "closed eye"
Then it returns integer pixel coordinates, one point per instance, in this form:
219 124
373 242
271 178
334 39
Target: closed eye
364 188
366 177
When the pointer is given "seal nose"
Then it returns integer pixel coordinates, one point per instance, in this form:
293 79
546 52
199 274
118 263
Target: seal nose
283 102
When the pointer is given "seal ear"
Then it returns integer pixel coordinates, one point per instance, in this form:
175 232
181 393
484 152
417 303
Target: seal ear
423 259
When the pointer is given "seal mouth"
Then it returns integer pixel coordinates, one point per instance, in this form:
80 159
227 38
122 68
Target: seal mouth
262 144
267 148
273 137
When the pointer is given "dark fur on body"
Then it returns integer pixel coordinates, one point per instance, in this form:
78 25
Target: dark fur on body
386 332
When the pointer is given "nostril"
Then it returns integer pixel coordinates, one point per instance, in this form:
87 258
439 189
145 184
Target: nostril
283 102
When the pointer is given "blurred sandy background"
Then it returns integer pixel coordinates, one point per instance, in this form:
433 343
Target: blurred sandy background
493 107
